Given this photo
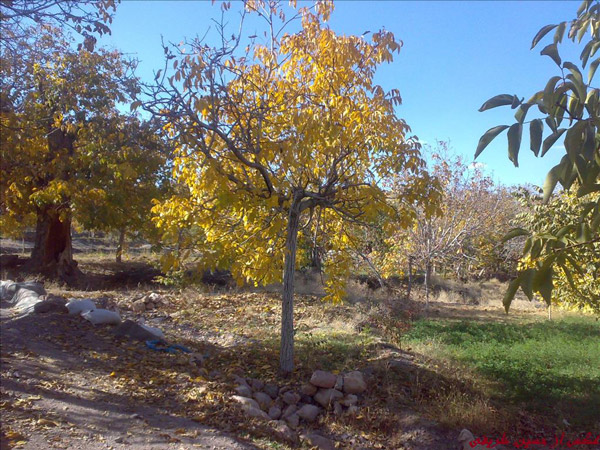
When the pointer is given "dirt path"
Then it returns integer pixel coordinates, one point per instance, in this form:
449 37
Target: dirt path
54 394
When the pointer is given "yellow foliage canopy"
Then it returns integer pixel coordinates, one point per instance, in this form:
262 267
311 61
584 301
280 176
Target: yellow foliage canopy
296 126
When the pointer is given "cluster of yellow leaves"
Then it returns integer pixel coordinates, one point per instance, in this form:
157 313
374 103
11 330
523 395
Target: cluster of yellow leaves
304 113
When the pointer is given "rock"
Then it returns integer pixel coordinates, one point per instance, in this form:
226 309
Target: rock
138 306
306 399
354 383
215 374
256 412
293 420
323 379
244 391
309 412
316 440
155 298
263 400
256 385
272 390
339 383
291 398
150 306
240 380
52 305
326 397
352 410
131 330
309 389
338 409
349 400
274 412
246 402
285 432
284 389
157 332
289 410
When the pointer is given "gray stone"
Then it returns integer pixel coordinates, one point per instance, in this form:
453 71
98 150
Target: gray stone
354 383
291 398
316 440
274 412
339 383
272 390
130 330
256 412
293 420
256 385
138 306
349 400
245 401
323 379
338 409
285 432
309 412
309 389
289 410
306 399
244 391
55 304
240 380
263 400
326 397
352 410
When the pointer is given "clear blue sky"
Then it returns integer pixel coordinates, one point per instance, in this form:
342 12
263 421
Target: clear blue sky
455 56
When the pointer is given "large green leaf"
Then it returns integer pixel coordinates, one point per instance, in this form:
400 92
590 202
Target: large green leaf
488 137
542 280
514 233
551 180
593 67
550 140
498 100
510 293
514 142
540 34
552 51
526 282
536 128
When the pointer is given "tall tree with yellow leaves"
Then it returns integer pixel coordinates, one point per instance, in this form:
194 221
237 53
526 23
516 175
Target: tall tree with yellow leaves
58 105
272 137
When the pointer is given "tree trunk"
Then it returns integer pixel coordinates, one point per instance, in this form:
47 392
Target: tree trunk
286 355
427 282
120 245
52 252
316 249
410 262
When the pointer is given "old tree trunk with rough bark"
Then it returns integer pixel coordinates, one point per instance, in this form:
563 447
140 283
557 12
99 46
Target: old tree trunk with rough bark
52 254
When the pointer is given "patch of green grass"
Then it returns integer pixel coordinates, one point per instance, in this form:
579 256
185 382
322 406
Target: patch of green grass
552 368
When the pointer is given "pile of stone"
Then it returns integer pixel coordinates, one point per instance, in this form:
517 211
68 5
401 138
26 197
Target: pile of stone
324 392
149 302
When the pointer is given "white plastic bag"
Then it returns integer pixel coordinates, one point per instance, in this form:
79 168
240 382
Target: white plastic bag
155 331
78 306
5 294
102 317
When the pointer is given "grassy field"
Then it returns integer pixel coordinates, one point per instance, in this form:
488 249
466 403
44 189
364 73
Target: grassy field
548 367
